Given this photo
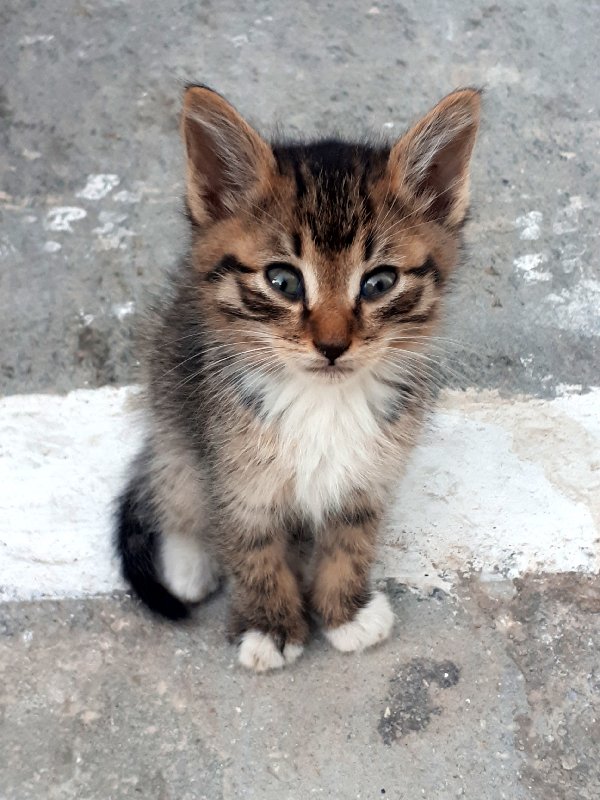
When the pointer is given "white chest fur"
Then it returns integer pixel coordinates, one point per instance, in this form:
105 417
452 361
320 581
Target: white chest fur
330 437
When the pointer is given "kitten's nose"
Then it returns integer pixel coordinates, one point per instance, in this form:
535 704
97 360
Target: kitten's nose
332 350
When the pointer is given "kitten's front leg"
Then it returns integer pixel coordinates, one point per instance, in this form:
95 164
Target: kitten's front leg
353 616
267 612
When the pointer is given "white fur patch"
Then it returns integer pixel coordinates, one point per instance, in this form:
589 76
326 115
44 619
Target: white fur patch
259 652
371 625
329 438
188 570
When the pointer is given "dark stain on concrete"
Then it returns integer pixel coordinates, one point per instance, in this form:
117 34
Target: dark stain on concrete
552 629
409 705
5 111
93 349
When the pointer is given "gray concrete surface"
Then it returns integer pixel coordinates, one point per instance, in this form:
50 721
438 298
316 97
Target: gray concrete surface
492 693
93 86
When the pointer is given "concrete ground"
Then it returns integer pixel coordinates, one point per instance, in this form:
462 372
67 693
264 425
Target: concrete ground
490 685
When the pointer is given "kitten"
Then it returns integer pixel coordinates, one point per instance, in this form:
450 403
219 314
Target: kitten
288 372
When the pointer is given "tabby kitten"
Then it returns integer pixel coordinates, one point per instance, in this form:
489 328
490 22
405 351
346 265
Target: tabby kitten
284 382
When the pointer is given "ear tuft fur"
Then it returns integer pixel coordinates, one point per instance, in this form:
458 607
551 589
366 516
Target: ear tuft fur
226 159
433 157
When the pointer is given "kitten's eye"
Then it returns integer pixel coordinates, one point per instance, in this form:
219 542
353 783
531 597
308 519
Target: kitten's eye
378 282
286 279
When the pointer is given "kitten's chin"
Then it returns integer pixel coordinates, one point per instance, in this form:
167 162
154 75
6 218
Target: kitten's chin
331 374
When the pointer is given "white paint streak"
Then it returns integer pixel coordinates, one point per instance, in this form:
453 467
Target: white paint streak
530 224
41 38
31 155
62 461
499 74
577 309
7 248
112 235
125 196
108 220
502 487
497 485
123 310
86 319
60 218
528 265
98 186
567 219
572 256
563 389
52 247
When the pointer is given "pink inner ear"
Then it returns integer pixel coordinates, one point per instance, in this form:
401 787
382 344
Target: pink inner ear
433 157
226 157
208 168
446 175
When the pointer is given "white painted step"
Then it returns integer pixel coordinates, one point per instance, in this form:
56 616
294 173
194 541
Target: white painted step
498 486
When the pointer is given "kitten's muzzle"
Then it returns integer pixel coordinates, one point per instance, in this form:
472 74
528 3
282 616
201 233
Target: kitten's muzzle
332 350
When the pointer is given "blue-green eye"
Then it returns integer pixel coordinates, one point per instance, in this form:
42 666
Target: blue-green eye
378 282
286 279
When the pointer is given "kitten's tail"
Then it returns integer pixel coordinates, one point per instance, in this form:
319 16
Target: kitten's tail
137 540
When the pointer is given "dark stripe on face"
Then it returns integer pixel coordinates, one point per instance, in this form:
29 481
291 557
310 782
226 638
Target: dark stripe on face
297 243
401 388
369 245
300 182
332 232
418 318
259 305
227 265
428 268
236 313
402 304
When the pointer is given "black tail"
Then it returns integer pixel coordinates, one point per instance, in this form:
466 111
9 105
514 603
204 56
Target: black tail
137 542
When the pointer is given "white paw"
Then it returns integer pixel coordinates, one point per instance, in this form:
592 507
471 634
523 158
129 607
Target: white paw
187 569
372 624
259 652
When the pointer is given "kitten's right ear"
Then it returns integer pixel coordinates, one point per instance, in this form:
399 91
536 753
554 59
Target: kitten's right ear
227 161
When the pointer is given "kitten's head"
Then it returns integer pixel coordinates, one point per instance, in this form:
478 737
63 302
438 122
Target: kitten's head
325 258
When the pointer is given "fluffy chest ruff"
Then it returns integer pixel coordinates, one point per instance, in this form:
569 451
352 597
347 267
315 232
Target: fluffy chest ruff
333 439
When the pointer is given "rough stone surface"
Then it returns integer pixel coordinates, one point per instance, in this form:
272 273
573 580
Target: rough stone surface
92 88
491 693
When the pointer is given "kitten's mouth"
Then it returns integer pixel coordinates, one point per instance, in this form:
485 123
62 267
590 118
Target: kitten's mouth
331 370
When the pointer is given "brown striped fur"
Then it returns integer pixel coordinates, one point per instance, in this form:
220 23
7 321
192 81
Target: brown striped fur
280 424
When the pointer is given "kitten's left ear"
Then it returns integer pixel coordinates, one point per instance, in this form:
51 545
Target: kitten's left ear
227 161
433 157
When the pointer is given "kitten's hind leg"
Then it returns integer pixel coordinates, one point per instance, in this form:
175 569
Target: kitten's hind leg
187 567
188 570
160 528
137 540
